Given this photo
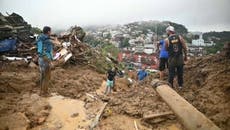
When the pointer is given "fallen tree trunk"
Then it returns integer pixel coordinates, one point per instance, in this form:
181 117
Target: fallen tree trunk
191 118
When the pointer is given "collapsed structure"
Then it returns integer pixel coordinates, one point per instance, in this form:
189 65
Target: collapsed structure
17 42
14 25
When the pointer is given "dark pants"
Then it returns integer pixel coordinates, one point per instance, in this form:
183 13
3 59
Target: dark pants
45 75
163 64
173 70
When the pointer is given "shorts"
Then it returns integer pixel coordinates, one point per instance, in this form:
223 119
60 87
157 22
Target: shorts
163 63
109 83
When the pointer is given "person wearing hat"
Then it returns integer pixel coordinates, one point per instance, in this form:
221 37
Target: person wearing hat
177 51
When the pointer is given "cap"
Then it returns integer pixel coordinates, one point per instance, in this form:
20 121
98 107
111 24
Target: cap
170 28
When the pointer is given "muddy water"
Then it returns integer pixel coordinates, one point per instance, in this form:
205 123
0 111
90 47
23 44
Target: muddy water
66 114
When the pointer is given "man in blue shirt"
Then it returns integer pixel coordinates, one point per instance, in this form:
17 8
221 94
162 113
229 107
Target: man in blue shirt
45 53
163 58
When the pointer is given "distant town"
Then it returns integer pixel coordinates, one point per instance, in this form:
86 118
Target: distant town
137 41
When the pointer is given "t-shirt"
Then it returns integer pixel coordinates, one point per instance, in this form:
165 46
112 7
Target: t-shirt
163 52
111 75
45 46
141 74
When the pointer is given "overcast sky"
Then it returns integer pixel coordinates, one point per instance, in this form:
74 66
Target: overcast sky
196 15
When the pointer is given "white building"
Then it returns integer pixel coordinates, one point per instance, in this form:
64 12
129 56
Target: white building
149 48
199 42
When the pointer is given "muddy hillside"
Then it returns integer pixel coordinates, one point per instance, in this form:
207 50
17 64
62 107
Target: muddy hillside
207 87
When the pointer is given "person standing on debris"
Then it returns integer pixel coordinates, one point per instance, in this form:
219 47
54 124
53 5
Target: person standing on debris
163 58
176 46
141 74
45 53
110 80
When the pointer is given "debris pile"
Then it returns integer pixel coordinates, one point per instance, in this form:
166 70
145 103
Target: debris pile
16 38
16 44
82 53
14 26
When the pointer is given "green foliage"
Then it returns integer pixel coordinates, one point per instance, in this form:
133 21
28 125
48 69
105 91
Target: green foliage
104 45
92 41
217 37
110 48
125 43
214 49
36 30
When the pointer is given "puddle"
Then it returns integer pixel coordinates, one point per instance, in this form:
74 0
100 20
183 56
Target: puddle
66 114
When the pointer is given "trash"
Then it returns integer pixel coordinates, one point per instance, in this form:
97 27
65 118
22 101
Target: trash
66 44
17 38
63 54
27 59
14 25
68 56
8 45
60 54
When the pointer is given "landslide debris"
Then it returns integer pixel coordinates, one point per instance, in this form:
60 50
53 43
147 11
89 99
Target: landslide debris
208 87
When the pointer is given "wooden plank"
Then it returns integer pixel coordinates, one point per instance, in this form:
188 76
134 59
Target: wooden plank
97 118
135 125
158 115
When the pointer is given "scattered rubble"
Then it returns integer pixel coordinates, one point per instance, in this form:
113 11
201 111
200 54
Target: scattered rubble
131 106
14 25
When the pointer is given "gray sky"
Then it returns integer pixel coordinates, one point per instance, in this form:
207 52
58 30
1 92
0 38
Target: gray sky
196 15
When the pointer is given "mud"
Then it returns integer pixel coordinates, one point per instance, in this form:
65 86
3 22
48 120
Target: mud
207 87
65 114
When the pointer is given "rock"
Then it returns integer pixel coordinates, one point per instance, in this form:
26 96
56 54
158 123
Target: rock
44 113
32 65
41 120
87 105
58 125
35 97
74 115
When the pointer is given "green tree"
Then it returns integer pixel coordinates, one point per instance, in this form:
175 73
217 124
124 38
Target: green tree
36 30
110 48
215 48
125 43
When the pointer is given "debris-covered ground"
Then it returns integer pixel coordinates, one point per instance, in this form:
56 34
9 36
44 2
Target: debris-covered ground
77 99
206 87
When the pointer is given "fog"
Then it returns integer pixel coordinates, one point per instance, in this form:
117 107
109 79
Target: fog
196 15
